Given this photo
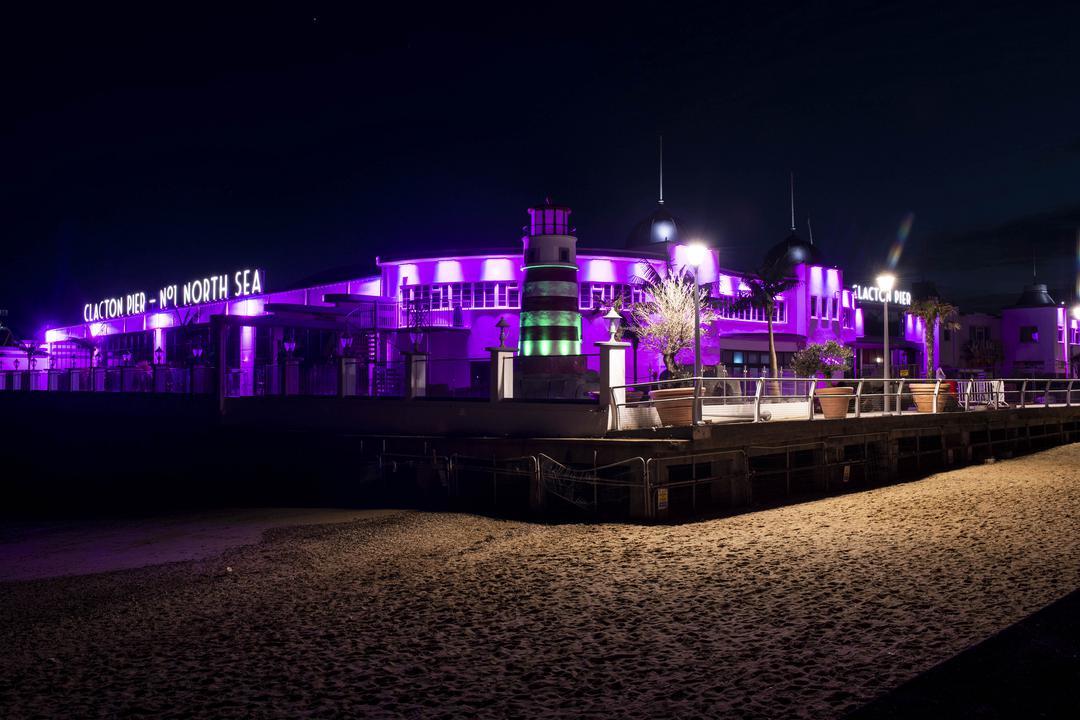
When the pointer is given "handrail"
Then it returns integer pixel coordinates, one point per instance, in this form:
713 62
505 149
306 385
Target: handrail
760 401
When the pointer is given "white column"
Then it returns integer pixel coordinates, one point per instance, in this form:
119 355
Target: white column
502 373
612 375
247 361
291 381
415 375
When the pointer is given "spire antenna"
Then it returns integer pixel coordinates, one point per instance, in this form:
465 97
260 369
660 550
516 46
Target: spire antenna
792 201
661 169
810 229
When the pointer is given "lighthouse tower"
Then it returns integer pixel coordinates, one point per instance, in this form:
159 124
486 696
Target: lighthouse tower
550 321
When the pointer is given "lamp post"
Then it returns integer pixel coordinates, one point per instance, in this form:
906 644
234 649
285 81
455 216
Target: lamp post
695 256
613 320
885 282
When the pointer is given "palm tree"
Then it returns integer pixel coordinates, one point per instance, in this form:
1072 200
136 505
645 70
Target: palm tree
664 321
762 289
934 312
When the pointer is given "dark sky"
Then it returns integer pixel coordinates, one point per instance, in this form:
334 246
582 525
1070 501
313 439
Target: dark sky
148 146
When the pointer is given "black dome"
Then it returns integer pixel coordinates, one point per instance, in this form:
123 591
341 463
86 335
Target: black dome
791 252
661 226
1035 296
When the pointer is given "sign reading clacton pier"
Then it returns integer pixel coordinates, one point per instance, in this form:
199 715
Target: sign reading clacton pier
871 293
214 288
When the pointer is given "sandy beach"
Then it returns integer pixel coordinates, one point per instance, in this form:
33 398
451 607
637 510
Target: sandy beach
802 611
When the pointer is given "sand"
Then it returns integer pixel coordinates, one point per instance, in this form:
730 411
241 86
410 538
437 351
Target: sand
803 611
33 550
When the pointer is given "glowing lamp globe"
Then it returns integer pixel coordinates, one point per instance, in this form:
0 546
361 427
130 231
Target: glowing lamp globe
886 282
696 254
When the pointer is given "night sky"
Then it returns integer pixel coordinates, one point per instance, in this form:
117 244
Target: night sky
140 147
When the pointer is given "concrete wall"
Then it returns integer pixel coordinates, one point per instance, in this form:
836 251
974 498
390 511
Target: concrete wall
421 416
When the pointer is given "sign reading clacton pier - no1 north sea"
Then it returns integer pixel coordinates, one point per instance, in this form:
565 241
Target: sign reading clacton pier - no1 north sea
214 288
871 293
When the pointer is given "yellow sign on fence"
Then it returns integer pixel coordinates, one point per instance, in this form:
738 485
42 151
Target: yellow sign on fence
661 499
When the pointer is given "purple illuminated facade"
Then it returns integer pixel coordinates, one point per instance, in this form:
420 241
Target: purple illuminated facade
447 307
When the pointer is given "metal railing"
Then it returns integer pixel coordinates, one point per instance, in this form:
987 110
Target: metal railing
738 399
198 380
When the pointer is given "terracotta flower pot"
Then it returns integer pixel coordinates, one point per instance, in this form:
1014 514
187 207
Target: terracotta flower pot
677 406
834 401
923 394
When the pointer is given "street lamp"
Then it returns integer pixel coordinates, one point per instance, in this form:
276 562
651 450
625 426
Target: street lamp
696 253
885 282
613 320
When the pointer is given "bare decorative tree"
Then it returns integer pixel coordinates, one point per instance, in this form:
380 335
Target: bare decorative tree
664 320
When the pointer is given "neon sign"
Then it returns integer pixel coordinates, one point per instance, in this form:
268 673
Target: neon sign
214 288
871 293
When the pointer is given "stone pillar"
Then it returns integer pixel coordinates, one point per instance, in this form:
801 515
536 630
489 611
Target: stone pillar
502 373
612 375
291 383
415 375
219 335
247 360
347 377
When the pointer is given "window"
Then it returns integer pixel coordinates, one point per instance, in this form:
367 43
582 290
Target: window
446 296
1029 334
593 296
813 306
564 255
531 256
978 333
947 334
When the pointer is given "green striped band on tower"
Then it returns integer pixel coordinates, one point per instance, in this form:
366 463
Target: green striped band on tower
550 320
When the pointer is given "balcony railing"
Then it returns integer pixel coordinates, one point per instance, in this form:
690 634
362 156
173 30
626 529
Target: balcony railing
737 399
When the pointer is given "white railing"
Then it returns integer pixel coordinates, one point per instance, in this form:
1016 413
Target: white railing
736 399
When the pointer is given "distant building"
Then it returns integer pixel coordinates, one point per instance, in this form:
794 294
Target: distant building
974 348
1038 335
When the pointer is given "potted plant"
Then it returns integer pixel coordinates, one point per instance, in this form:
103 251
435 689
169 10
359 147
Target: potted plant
824 359
935 313
664 323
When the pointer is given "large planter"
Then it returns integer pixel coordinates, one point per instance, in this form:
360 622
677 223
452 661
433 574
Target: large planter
924 396
676 406
834 401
